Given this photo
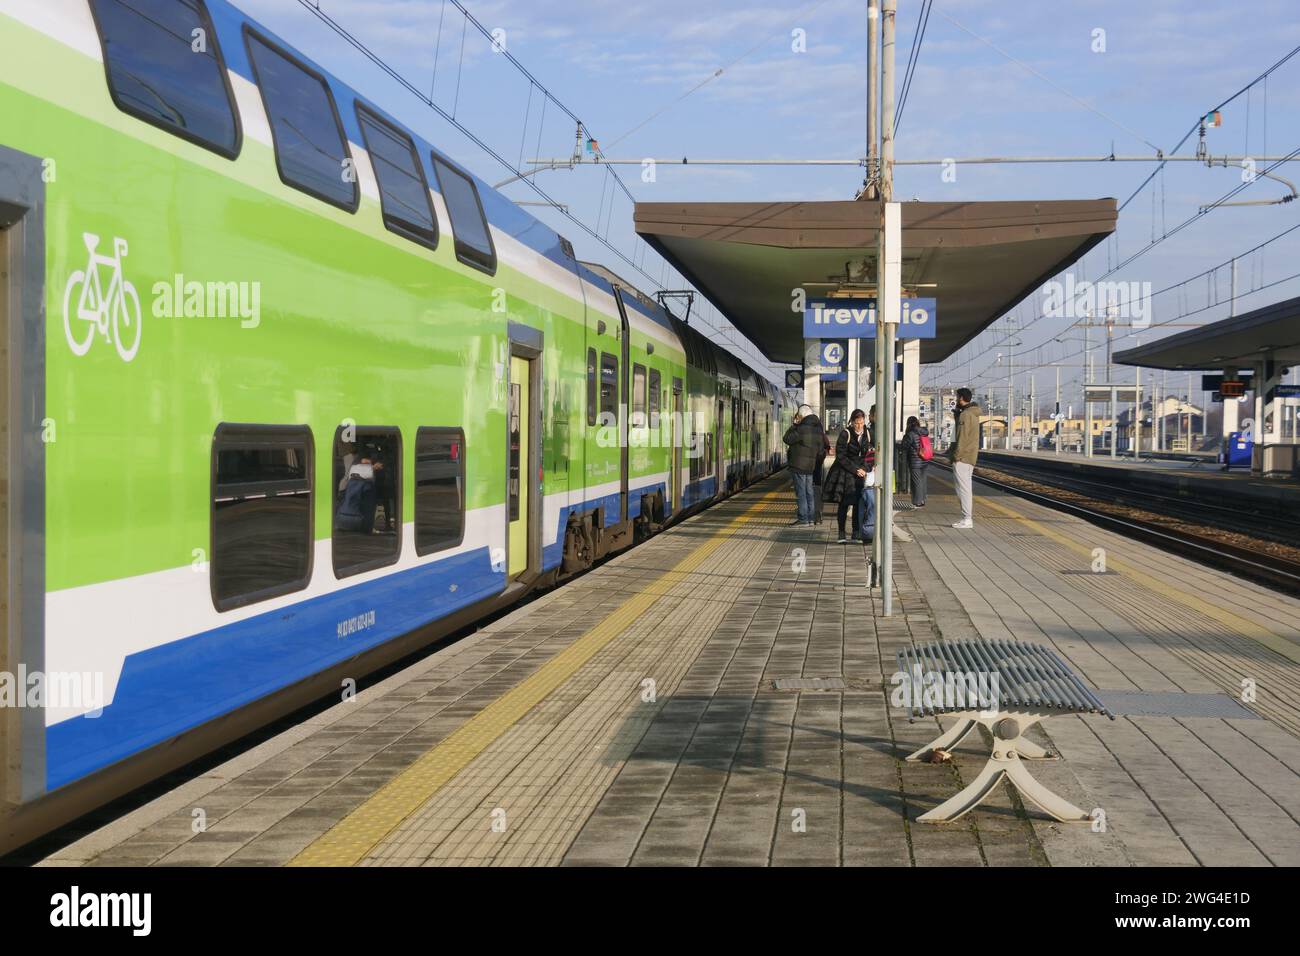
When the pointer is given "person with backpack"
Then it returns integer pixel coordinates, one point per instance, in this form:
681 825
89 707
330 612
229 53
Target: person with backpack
920 449
806 440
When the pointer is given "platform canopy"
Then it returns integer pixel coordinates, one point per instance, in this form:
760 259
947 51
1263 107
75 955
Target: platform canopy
978 259
1272 332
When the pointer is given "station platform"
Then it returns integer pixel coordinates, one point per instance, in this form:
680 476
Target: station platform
631 717
1163 469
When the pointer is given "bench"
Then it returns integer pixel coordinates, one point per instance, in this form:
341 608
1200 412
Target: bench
1008 686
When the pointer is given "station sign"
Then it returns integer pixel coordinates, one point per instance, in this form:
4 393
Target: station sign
1232 389
1286 391
825 358
1128 394
856 319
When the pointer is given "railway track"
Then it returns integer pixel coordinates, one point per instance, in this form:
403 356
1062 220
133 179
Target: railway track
1272 525
1271 563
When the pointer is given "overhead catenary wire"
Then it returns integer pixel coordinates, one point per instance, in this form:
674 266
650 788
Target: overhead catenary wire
1050 82
428 101
313 7
1179 286
807 11
913 57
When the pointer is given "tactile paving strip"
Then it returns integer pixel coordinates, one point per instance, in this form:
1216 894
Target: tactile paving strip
1124 703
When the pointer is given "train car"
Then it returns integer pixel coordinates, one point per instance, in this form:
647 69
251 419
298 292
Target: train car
291 394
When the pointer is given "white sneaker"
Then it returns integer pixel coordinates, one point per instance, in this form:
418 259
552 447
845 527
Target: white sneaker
963 524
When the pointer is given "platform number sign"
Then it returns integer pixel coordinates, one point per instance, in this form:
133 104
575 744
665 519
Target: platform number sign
832 353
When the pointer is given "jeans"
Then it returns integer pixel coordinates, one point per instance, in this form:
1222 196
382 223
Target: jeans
868 527
803 495
962 472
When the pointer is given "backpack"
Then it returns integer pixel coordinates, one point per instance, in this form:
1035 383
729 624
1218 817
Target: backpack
351 513
925 447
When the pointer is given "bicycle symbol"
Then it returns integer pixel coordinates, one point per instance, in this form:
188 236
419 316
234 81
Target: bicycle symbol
115 314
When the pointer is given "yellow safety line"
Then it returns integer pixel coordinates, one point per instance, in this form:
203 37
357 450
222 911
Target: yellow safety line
1281 645
353 837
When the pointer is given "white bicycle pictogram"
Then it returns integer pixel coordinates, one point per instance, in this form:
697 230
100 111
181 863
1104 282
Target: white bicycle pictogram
114 313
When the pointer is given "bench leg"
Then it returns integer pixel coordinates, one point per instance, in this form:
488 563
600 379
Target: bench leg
1048 802
1029 750
947 740
969 798
1009 746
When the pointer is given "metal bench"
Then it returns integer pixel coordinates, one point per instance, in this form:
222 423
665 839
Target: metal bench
1008 686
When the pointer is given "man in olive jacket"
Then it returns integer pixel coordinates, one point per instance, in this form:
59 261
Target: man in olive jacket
807 442
964 452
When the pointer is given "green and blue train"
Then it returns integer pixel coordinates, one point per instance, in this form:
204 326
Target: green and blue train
289 394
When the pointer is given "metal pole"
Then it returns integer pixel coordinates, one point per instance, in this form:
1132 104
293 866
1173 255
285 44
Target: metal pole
890 255
1011 372
1114 421
1137 411
1232 294
1058 409
1087 380
873 100
1032 417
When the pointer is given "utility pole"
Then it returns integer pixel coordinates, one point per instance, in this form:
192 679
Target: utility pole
1137 411
1057 414
889 266
1011 373
873 100
1087 380
1032 417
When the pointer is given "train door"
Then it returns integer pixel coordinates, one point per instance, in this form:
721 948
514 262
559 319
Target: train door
523 433
678 425
22 472
624 403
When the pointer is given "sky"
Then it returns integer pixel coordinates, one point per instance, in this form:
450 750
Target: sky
1012 78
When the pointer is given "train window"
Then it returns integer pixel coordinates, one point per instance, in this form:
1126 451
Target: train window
439 489
638 396
156 73
608 388
403 193
653 406
261 512
593 395
310 150
367 498
473 238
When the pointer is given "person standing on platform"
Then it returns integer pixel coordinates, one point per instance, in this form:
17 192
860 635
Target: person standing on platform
964 452
916 442
807 441
848 473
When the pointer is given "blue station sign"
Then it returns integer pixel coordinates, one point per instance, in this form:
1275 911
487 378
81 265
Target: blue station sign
856 319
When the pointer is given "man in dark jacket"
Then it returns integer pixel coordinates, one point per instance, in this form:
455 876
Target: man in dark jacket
964 451
807 443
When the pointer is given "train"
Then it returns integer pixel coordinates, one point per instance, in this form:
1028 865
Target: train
290 394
